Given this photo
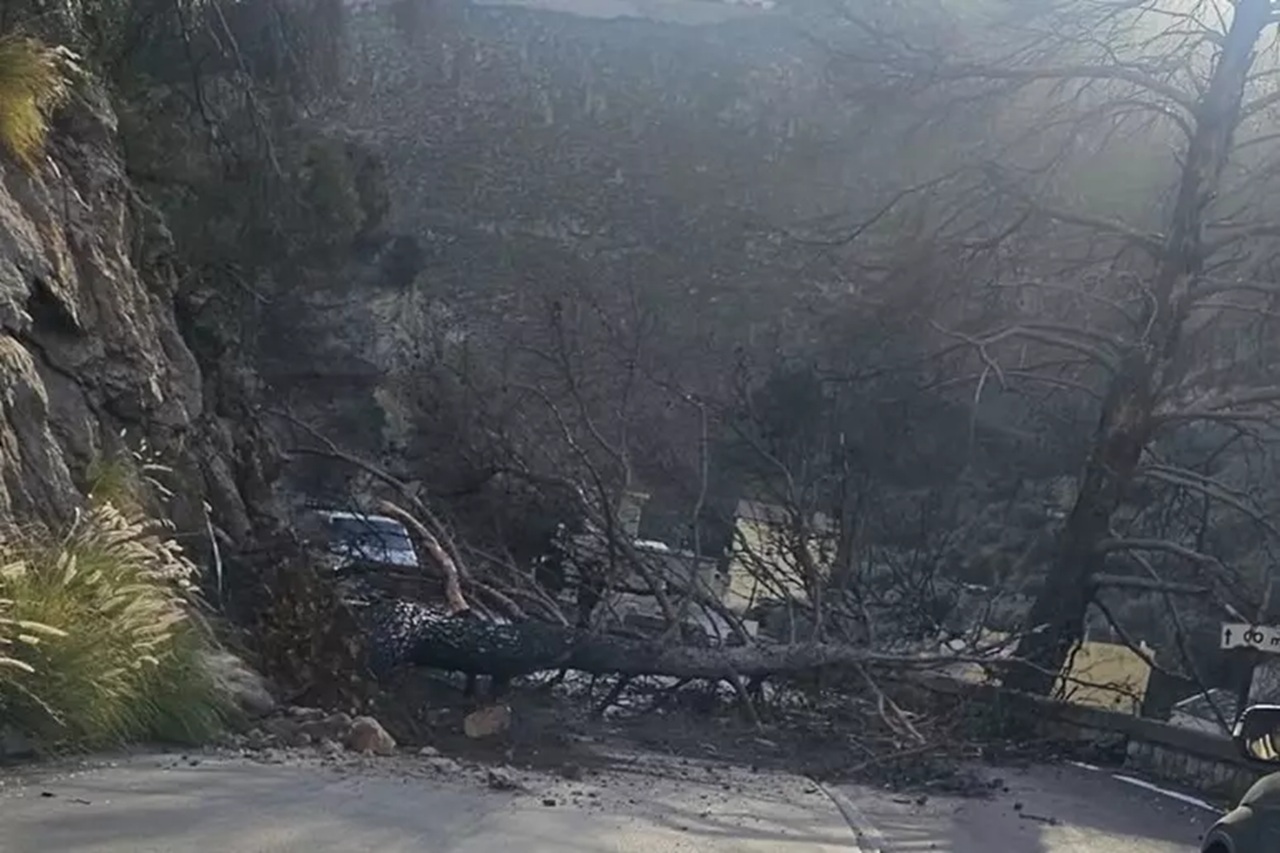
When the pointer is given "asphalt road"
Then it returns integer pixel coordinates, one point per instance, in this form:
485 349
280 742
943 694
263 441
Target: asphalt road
1040 809
647 804
156 803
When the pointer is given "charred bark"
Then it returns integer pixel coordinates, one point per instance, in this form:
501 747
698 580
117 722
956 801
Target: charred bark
1058 615
410 634
1151 367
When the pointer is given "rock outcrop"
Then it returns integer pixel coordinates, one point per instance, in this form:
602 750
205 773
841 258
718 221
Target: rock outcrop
91 350
526 149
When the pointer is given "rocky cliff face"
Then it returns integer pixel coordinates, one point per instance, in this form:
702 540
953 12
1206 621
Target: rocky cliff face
514 142
90 343
658 143
526 149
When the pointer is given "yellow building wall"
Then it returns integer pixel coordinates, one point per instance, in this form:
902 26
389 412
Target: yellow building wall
1099 675
757 542
751 540
1114 677
1109 676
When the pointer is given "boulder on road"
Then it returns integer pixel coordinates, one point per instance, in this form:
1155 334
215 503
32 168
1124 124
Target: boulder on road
501 779
368 735
333 727
240 683
487 722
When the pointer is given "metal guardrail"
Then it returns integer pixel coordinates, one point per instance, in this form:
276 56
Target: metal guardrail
1039 709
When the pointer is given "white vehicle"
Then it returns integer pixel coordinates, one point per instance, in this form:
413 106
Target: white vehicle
359 539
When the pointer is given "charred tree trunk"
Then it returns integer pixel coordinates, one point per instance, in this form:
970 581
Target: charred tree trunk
410 634
1058 614
1152 366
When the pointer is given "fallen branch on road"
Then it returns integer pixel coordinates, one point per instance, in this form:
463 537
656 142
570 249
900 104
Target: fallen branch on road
411 634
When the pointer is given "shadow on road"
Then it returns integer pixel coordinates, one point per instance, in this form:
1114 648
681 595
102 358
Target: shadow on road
1041 809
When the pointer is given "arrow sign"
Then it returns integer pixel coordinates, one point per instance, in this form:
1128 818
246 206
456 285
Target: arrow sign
1242 635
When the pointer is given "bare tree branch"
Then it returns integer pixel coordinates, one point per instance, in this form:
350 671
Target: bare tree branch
1149 585
1122 73
1220 402
1053 335
1210 488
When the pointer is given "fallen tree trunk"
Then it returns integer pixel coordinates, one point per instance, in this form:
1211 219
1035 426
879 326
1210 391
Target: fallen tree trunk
407 633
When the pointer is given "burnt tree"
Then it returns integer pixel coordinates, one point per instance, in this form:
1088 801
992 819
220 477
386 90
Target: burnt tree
1096 77
1152 367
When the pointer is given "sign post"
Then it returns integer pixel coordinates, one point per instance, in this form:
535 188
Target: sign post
1242 635
1249 643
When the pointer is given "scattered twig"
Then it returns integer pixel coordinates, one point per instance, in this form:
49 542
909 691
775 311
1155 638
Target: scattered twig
612 696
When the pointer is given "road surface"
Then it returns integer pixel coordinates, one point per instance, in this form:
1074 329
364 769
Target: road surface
153 803
161 803
1040 809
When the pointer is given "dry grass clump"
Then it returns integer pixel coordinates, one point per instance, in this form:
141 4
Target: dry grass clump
101 641
33 83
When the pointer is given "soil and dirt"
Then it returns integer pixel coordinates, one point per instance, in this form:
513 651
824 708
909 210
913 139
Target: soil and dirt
563 728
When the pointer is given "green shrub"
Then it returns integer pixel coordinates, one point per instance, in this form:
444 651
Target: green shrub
33 82
126 656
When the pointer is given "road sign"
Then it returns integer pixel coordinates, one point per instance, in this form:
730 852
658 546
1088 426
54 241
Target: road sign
1241 635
